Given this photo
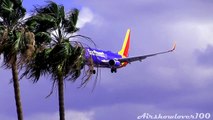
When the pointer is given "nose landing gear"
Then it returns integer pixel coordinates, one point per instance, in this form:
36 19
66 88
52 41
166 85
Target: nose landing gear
93 71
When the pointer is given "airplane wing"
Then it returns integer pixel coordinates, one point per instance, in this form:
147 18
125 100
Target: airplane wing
140 58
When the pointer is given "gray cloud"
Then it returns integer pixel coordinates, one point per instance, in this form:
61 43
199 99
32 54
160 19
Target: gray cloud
206 57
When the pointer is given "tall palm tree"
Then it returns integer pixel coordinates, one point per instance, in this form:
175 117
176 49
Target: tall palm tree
55 53
16 42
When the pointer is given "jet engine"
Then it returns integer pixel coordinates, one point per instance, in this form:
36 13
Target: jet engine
114 63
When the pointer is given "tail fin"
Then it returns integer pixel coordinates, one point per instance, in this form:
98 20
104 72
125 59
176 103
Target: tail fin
124 52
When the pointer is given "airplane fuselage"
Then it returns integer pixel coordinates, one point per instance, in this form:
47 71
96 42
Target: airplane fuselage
104 59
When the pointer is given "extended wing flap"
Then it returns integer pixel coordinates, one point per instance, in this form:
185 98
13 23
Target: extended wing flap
140 58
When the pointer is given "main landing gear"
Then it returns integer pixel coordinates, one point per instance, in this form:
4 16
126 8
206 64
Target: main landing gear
113 70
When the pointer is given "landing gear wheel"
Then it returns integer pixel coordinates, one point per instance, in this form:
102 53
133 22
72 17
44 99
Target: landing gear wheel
93 71
113 70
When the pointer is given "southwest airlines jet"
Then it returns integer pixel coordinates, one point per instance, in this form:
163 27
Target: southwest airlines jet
108 59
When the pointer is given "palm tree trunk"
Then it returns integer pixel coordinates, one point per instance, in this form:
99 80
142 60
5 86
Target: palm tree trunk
61 96
17 90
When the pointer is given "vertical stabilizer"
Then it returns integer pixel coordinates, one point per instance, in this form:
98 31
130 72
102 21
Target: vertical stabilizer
124 52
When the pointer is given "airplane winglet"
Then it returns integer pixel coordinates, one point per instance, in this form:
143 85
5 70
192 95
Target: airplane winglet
174 47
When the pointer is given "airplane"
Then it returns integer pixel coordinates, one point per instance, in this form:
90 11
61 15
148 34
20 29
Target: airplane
108 59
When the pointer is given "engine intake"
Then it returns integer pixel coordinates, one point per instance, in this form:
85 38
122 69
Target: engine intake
115 63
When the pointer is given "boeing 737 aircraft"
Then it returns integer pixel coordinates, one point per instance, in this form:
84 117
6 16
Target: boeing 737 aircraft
108 59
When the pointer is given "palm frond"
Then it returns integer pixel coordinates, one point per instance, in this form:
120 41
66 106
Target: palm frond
59 53
6 6
41 23
11 11
18 14
52 9
73 16
42 37
71 21
38 66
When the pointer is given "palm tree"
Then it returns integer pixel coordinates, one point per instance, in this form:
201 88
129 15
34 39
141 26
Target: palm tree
16 43
55 53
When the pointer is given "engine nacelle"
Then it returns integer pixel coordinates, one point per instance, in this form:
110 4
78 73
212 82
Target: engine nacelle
115 63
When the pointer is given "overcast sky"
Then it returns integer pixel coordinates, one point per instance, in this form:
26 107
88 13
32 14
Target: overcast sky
179 82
